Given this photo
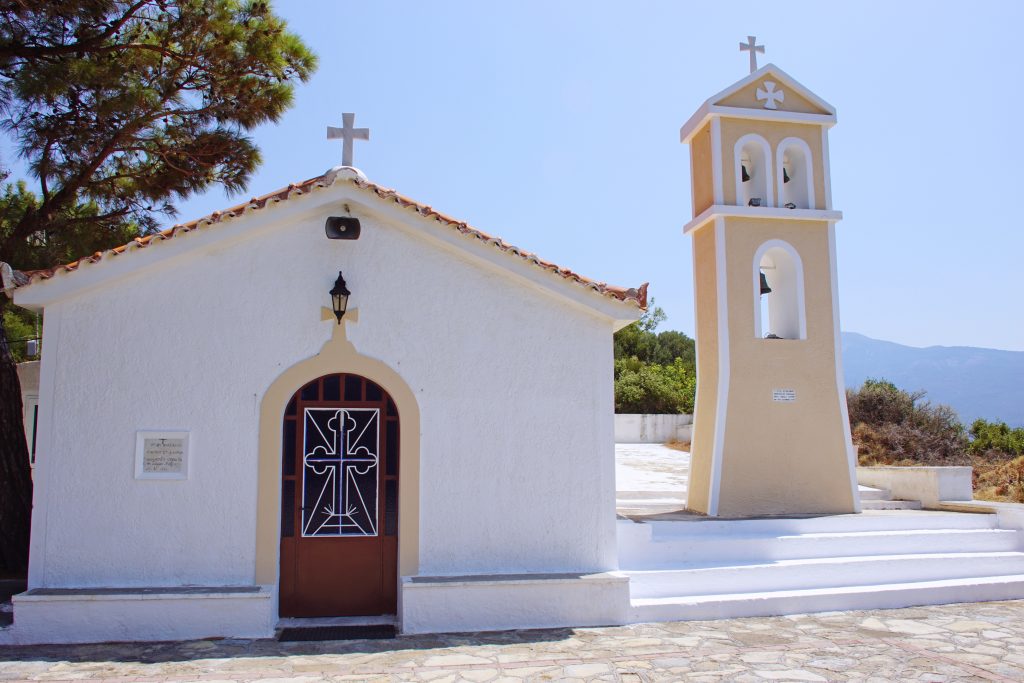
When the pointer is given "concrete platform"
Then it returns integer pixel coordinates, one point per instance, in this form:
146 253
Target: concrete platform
683 565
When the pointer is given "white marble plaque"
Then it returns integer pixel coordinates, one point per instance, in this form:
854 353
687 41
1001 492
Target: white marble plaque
783 395
161 455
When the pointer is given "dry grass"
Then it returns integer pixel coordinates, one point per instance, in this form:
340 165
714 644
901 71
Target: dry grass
679 445
1001 480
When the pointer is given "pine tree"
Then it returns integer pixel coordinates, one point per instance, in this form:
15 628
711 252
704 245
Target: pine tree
120 108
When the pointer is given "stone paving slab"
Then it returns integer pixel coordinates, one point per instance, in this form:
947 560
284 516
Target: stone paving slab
973 642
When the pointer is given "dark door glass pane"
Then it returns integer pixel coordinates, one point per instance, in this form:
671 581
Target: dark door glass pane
332 388
288 448
353 388
391 448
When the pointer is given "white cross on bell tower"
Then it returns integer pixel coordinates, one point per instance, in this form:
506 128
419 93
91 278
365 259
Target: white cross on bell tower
347 134
753 48
770 95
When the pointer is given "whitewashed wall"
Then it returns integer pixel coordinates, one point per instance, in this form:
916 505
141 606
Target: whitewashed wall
513 386
639 428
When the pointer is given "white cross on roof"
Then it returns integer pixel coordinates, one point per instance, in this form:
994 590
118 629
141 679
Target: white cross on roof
347 134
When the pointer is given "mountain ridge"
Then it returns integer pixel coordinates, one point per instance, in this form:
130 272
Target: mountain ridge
974 381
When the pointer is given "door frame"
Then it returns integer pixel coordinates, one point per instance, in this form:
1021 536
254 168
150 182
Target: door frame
338 355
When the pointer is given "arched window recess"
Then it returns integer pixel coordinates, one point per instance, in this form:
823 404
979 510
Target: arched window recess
778 288
754 184
795 172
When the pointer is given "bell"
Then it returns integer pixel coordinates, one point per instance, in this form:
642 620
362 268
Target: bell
765 289
744 176
785 175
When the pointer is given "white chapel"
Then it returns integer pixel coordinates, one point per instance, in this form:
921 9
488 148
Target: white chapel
333 401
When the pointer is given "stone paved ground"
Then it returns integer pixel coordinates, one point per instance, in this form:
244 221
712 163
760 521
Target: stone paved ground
978 642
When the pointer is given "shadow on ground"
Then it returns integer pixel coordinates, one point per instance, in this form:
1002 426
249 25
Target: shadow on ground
185 651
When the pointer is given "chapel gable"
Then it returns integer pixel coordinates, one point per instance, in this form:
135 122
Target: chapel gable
770 88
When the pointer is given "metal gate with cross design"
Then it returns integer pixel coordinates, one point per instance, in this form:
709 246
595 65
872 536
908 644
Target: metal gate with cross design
339 500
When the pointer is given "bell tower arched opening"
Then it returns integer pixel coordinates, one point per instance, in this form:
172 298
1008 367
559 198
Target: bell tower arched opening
779 292
753 176
794 172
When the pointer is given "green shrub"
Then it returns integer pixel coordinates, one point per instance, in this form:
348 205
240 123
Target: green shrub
651 388
996 439
20 326
654 372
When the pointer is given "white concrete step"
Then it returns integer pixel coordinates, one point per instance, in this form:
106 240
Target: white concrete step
649 502
754 549
877 504
883 596
868 493
820 573
632 507
651 495
881 520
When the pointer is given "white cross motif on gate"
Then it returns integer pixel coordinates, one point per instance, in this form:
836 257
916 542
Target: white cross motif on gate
770 95
347 134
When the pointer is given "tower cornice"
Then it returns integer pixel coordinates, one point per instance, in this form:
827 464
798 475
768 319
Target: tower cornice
710 111
770 213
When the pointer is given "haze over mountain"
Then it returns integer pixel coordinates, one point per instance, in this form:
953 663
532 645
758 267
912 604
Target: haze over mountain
976 382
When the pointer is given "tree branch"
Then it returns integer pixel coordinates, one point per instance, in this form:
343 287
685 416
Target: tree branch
13 51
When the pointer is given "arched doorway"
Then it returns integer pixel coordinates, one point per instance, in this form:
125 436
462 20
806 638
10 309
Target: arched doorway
339 499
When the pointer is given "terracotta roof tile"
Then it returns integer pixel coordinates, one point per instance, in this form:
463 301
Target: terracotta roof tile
637 296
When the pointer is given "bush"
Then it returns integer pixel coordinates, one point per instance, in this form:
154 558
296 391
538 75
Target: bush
654 372
996 440
892 426
651 388
20 327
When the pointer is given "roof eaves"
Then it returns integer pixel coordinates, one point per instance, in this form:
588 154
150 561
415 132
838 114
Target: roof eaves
637 295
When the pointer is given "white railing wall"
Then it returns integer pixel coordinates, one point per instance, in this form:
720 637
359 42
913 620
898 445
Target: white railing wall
635 428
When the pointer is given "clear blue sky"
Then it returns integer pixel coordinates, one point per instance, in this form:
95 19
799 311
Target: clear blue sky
554 125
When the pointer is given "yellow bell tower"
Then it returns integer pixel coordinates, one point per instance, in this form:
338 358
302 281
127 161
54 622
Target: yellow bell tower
771 432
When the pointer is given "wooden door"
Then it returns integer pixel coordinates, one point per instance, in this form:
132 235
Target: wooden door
339 500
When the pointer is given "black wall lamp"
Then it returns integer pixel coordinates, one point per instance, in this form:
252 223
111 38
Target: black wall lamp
339 297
